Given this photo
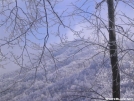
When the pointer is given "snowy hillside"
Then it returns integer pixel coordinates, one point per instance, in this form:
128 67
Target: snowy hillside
78 71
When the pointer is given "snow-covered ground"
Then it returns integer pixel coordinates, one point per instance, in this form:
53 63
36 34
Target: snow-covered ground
78 71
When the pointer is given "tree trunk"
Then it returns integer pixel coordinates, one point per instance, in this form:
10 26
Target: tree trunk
113 51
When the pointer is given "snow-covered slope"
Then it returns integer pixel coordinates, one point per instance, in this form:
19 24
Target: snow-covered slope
78 71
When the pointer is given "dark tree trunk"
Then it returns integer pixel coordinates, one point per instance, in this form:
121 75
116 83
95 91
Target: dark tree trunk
113 51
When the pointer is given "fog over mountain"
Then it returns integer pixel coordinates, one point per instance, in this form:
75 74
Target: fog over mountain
74 71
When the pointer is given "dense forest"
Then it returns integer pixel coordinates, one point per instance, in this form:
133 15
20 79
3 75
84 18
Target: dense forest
63 50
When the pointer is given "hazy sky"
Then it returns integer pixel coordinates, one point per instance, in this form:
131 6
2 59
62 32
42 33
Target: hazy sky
59 8
9 65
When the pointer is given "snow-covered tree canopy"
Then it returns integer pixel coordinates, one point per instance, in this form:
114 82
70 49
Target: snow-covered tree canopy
61 49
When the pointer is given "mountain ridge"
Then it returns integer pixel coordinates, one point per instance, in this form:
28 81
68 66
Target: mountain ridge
81 74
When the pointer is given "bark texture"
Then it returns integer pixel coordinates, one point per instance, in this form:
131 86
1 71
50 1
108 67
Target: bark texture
113 51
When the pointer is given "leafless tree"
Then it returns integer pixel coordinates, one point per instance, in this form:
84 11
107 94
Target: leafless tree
26 24
29 27
117 48
113 50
